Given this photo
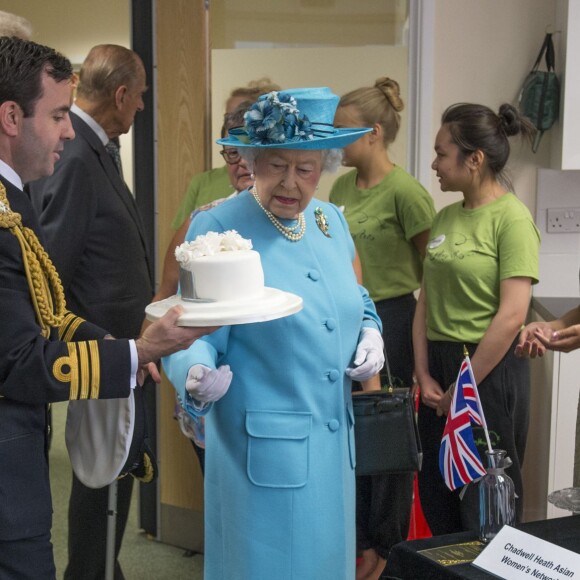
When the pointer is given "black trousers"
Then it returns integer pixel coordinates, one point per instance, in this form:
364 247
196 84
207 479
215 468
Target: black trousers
383 502
27 559
87 529
505 398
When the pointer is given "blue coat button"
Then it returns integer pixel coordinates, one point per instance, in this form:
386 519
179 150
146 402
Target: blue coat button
330 324
333 425
314 275
333 375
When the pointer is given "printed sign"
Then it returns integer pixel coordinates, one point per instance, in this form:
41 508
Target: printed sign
513 555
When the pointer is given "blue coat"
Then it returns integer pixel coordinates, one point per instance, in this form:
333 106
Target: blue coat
279 478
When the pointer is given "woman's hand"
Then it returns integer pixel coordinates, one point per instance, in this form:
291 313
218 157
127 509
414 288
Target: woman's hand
431 392
208 385
445 401
369 357
562 334
564 340
529 345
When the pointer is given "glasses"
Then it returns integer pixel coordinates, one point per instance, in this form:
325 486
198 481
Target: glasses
231 156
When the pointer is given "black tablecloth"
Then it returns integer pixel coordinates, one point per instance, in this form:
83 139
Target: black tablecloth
405 563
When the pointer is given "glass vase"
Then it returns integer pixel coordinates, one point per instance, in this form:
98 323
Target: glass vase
497 503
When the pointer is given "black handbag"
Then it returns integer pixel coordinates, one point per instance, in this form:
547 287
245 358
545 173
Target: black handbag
539 98
386 434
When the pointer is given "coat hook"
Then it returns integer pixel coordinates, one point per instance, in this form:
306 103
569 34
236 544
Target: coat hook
550 29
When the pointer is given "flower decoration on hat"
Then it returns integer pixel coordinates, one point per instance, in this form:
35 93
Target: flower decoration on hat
275 118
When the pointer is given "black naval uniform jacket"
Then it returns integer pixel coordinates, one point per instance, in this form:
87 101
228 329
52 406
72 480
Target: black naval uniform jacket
35 371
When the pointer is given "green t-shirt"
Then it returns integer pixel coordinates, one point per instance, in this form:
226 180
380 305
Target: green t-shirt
470 252
203 188
382 221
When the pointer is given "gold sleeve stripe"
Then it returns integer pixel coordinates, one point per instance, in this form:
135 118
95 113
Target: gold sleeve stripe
69 326
74 371
95 370
81 368
73 327
63 333
84 361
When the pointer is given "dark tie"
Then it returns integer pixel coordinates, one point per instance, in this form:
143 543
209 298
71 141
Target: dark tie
112 148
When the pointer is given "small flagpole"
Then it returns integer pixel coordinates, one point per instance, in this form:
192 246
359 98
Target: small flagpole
466 355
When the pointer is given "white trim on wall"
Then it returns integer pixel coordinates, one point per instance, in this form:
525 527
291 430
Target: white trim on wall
421 66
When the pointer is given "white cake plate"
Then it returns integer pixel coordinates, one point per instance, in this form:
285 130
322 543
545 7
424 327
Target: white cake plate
271 305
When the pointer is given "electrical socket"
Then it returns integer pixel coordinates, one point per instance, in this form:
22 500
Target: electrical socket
564 220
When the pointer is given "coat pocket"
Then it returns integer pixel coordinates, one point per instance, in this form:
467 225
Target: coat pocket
278 448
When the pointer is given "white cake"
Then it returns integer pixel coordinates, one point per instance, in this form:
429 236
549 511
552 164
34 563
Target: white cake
219 267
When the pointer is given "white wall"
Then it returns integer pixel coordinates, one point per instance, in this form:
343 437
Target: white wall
560 252
73 27
566 146
483 52
342 69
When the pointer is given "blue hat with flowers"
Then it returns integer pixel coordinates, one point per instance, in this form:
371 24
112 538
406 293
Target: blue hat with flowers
293 119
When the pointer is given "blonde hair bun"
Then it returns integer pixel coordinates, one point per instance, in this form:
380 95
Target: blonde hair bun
392 92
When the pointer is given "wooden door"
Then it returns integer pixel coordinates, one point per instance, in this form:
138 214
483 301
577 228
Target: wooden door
181 48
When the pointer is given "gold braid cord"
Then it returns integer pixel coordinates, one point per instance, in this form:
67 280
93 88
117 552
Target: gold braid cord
45 286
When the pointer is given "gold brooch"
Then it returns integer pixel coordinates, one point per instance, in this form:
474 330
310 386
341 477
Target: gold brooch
321 221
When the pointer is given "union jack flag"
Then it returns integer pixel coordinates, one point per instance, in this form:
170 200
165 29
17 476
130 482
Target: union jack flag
459 461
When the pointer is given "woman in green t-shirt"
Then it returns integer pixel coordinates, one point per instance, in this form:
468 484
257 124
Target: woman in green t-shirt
389 214
481 261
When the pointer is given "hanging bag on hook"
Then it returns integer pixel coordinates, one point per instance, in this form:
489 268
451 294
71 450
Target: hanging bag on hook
540 95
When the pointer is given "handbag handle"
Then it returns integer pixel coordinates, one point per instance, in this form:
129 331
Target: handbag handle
388 368
548 49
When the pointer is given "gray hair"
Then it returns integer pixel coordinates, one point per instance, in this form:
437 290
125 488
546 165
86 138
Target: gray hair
105 69
14 25
331 158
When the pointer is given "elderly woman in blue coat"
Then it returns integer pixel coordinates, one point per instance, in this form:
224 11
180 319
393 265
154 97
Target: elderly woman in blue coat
280 457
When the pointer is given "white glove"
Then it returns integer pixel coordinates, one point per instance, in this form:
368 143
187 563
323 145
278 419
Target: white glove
207 385
369 357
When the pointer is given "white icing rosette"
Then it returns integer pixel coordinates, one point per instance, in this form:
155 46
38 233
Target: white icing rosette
208 245
185 255
233 242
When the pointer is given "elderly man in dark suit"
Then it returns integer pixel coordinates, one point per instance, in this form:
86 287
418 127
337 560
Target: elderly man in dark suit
47 353
95 237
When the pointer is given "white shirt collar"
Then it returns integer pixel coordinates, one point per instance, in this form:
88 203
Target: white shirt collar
91 123
10 175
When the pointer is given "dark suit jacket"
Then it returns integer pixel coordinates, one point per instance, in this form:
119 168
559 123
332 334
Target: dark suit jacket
96 239
35 371
95 235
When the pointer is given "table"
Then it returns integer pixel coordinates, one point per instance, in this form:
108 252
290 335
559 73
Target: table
406 563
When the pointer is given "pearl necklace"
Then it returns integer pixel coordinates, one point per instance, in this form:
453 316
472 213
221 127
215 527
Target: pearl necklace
292 233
